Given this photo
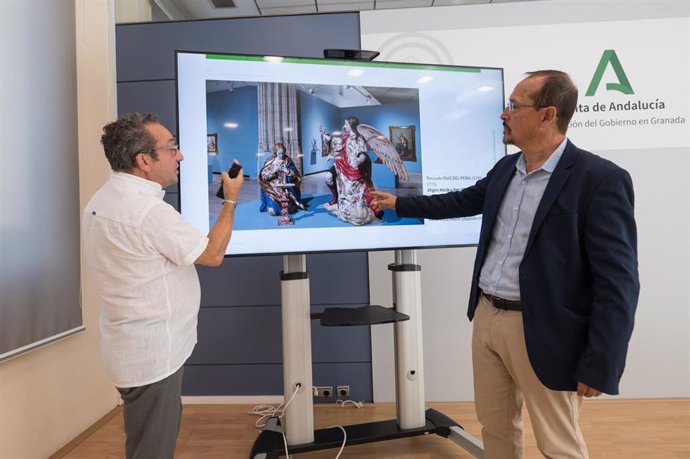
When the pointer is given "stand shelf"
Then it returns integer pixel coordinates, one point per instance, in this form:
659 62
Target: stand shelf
366 315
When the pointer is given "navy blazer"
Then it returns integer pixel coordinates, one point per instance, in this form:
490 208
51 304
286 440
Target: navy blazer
579 282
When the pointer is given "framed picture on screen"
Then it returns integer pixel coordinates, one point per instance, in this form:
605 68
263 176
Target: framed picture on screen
212 143
403 139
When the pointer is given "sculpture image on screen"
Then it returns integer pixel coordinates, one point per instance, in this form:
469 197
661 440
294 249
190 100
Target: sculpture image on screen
316 136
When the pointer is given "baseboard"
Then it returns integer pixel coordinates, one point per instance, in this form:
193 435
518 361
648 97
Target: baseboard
232 399
62 452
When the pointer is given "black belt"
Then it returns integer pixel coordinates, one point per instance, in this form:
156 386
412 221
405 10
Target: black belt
500 303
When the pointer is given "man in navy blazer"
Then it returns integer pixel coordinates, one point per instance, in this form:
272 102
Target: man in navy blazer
555 282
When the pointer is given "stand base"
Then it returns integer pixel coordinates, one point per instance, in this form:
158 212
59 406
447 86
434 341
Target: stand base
269 444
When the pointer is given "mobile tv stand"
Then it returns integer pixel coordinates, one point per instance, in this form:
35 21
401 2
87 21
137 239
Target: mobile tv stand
412 419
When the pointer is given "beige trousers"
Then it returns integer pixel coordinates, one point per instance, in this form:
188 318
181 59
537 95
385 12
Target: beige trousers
504 378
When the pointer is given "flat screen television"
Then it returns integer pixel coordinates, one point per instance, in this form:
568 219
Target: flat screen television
315 136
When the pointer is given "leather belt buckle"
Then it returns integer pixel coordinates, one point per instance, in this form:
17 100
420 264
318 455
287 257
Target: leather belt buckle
500 303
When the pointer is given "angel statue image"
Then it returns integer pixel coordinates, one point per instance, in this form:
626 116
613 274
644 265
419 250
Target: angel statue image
334 143
280 178
352 200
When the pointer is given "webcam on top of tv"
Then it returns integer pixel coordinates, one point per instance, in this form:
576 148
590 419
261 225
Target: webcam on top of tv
352 54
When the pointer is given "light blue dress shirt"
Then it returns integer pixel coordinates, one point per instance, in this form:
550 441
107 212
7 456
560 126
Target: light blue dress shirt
501 271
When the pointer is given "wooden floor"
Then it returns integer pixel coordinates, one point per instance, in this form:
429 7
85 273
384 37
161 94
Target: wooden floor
630 429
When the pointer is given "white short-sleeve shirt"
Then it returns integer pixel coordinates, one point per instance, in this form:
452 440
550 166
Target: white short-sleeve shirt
141 258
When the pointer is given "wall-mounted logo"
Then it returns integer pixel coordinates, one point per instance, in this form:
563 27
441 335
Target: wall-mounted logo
415 48
623 85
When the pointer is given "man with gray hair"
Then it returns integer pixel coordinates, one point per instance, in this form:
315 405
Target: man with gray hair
141 257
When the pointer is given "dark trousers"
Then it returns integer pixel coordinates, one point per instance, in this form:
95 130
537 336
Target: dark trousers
152 417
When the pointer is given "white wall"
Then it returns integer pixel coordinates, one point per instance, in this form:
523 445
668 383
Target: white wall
51 395
557 34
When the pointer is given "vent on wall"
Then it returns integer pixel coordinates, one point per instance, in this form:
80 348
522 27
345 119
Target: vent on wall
224 3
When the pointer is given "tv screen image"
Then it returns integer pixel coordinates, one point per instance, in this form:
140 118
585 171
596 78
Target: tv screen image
316 136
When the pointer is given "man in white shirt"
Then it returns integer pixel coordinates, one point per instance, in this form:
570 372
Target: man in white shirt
141 256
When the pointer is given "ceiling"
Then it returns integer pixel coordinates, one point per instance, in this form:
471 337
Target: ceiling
177 10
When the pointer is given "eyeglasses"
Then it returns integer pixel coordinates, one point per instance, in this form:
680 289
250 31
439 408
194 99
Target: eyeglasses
513 107
175 148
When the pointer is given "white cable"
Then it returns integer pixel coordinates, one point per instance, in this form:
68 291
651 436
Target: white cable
266 412
342 447
270 411
294 393
342 403
287 454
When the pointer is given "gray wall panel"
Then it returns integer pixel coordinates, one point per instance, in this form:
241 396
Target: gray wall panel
268 379
237 335
245 281
146 51
340 344
171 196
252 335
341 279
232 380
150 96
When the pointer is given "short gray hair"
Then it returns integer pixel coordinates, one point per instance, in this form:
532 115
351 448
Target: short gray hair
125 138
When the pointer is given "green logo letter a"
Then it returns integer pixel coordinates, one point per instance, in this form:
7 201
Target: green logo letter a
623 84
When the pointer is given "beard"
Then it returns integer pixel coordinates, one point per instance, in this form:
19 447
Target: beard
507 138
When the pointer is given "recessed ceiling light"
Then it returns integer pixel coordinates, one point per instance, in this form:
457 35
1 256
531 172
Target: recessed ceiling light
223 3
